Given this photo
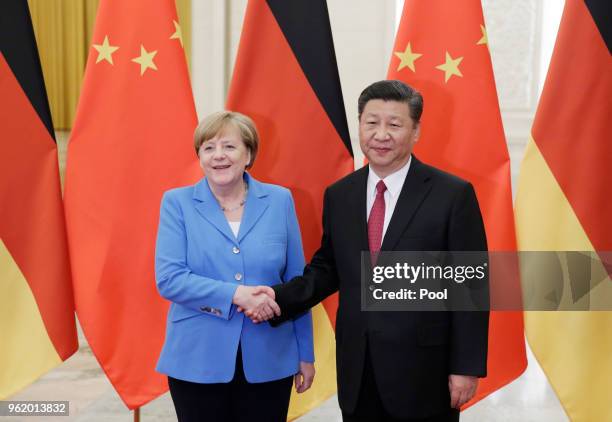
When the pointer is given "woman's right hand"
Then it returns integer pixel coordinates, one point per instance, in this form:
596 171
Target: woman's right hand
304 378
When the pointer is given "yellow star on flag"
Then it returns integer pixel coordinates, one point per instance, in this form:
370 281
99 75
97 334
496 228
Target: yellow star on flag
145 60
450 67
407 58
105 51
484 40
178 34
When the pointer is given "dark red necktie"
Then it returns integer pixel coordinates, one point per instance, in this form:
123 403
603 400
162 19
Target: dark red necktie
376 222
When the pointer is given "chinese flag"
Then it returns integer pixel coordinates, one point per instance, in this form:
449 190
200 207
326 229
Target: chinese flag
441 49
131 141
563 203
37 325
286 79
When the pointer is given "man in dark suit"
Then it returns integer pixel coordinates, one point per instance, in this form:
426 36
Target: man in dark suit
394 366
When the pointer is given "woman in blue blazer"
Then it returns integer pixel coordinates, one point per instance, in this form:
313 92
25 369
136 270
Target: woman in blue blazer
216 240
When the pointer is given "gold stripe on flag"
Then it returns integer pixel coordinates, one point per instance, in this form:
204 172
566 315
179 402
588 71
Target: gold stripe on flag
25 348
573 348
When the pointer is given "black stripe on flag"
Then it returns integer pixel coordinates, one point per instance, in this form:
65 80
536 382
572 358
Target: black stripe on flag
305 24
18 46
600 11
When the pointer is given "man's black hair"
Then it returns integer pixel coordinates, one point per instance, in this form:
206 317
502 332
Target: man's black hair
392 90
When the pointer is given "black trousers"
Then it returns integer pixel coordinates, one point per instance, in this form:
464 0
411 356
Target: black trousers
235 401
370 407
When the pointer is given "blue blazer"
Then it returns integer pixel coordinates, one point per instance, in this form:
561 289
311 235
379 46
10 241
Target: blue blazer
199 263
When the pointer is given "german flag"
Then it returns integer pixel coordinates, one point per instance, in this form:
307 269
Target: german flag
286 79
564 203
442 50
37 322
131 141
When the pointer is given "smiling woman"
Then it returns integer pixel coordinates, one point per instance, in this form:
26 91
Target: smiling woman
221 243
226 144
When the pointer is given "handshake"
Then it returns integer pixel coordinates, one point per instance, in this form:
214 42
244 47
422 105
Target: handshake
256 302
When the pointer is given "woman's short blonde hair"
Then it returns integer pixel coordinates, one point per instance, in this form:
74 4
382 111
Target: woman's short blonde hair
214 124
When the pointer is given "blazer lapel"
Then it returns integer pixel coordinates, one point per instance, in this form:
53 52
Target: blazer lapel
416 187
255 205
358 213
208 207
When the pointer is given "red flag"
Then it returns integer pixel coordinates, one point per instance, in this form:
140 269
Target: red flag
286 79
441 49
131 141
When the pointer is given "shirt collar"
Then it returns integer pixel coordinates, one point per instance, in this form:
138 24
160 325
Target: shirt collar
394 181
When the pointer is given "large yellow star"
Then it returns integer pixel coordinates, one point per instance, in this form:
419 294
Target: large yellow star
145 60
105 51
484 40
450 67
407 58
178 34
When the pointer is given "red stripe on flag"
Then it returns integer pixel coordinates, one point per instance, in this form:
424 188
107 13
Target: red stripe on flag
32 216
574 134
300 148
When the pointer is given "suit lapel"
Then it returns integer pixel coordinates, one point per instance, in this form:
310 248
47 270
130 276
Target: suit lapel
416 187
357 211
208 207
254 207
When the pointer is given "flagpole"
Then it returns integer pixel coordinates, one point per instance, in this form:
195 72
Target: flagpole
137 414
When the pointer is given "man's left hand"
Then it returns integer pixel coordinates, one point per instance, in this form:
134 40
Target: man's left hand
462 389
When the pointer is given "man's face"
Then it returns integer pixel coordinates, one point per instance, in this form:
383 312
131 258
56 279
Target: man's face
387 135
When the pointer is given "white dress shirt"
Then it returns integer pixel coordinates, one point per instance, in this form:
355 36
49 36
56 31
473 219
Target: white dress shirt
394 183
235 226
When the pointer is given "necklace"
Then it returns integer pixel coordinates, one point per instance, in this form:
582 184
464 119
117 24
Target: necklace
241 204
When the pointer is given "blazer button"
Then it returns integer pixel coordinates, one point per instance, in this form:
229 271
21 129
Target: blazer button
235 249
238 276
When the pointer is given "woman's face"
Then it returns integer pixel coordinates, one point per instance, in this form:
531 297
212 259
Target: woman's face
224 158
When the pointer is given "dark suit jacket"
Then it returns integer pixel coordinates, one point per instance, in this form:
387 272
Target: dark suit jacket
412 352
